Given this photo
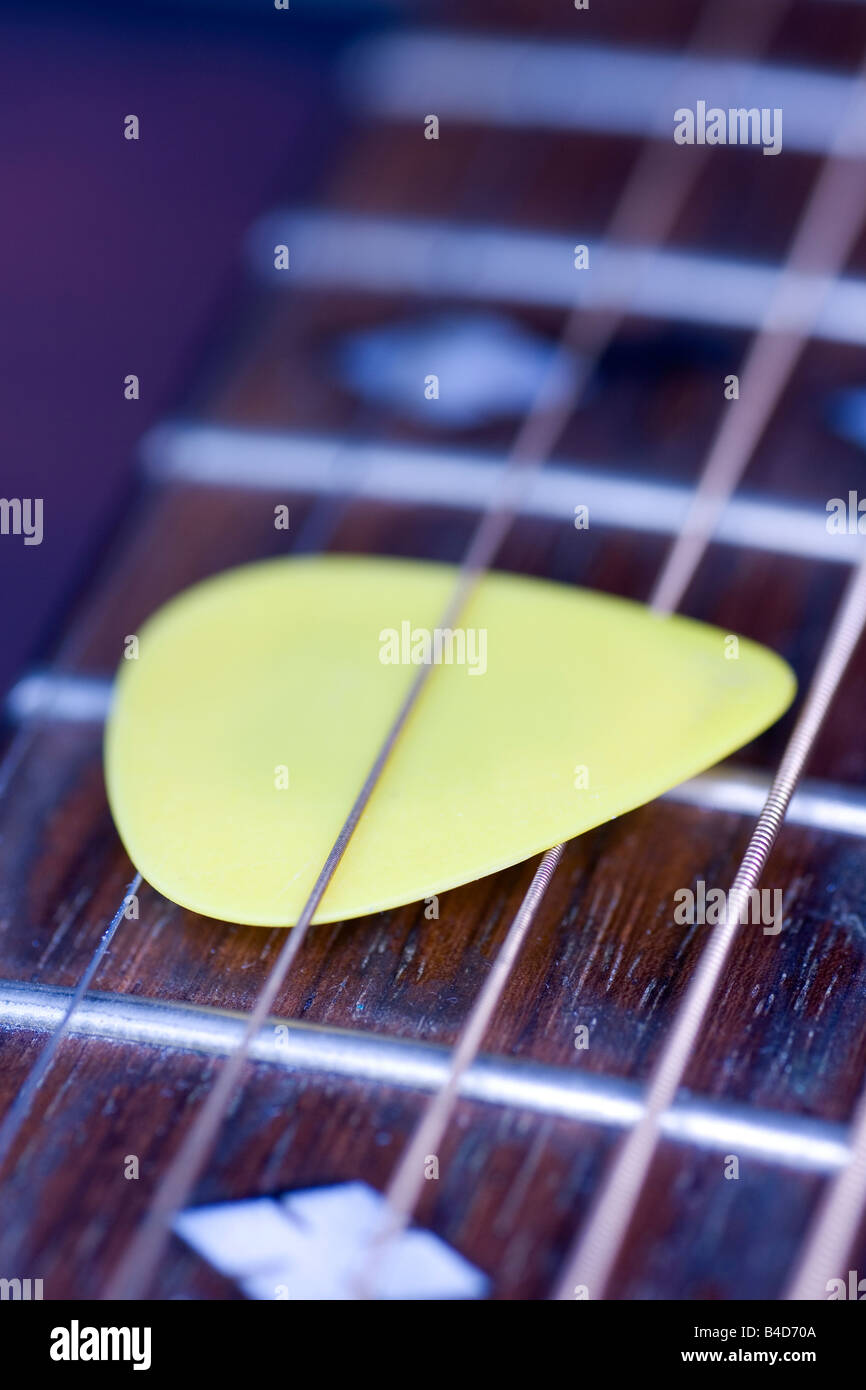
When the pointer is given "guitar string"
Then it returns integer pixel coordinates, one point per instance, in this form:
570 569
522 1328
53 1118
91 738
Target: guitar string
839 202
19 1109
593 1257
537 435
825 237
833 1229
832 212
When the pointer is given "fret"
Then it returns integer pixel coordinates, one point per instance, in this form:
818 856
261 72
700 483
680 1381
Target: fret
609 923
293 1046
823 805
576 85
495 265
109 1099
207 455
46 696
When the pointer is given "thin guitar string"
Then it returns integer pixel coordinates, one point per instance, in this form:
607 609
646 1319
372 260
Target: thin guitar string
540 430
18 1110
321 520
770 361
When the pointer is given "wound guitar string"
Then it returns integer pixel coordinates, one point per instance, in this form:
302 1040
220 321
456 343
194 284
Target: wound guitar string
542 427
838 202
594 1256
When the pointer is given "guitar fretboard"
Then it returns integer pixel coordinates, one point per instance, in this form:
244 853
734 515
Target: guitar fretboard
414 243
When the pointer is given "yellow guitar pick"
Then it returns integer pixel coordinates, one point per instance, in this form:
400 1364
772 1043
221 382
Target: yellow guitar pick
242 732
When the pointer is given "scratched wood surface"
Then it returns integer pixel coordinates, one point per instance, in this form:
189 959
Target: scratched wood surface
786 1034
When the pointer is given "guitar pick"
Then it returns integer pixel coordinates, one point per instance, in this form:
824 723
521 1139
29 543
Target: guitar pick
244 727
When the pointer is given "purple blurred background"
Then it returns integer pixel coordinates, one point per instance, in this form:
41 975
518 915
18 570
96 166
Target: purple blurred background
122 256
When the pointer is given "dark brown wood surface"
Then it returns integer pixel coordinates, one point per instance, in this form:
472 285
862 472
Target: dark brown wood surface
786 1034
